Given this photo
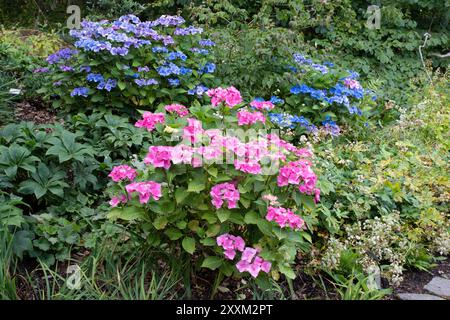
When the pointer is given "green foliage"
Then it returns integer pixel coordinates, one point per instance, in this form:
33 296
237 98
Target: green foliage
58 174
402 167
21 52
8 286
257 31
110 9
355 287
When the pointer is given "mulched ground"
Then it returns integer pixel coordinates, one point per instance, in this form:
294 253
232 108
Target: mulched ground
34 110
414 281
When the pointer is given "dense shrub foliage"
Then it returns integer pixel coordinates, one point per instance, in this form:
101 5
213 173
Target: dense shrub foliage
56 175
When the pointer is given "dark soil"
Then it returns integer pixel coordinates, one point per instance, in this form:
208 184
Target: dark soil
34 110
415 280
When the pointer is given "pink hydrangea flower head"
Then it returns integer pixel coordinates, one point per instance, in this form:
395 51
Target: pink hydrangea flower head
262 105
284 218
145 190
249 118
248 254
115 201
230 244
210 152
252 167
182 154
193 132
303 153
122 172
352 84
252 263
230 96
178 109
149 120
159 156
224 191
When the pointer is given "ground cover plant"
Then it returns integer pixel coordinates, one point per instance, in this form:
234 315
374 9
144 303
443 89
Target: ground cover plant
229 150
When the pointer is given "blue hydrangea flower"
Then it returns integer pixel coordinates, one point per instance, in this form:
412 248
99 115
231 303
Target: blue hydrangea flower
198 90
65 68
80 91
206 43
276 100
174 82
108 85
143 69
168 69
94 77
160 49
61 55
209 67
200 51
145 82
184 70
85 69
176 55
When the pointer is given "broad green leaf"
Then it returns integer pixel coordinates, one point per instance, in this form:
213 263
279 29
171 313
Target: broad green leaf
251 217
287 271
160 222
196 186
223 214
173 233
188 244
213 230
127 213
212 262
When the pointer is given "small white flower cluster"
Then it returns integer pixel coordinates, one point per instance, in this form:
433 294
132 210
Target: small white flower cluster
377 241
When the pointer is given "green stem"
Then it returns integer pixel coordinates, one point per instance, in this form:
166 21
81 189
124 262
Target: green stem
217 282
291 288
